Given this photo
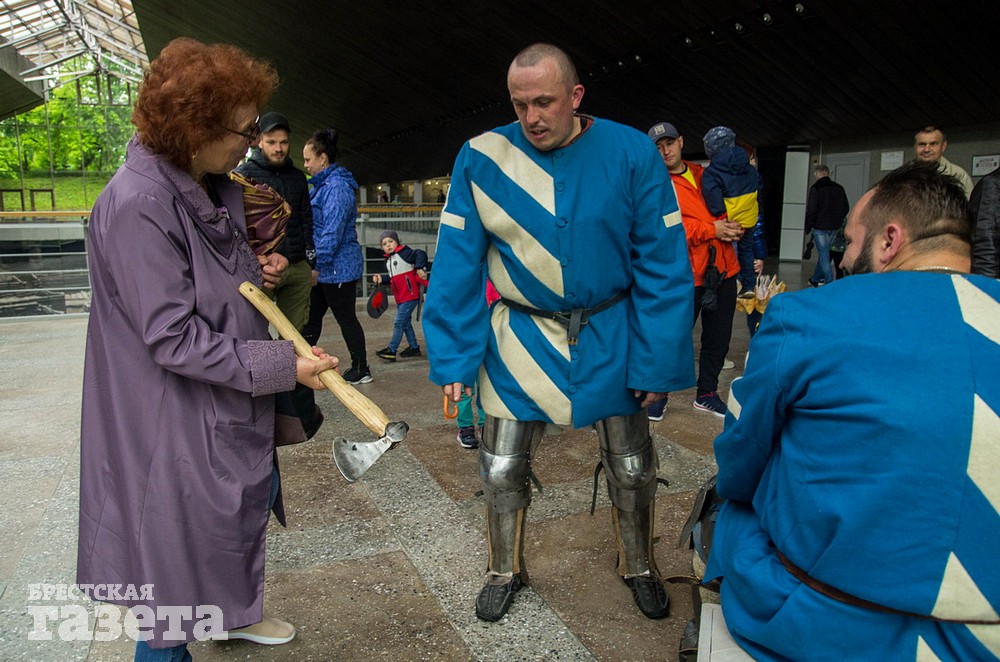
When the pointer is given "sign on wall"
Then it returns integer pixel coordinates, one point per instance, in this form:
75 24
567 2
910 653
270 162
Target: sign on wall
891 160
984 165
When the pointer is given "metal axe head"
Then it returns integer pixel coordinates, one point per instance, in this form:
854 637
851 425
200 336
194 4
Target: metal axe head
353 458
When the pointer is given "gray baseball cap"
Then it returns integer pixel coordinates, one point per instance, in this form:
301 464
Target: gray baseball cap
663 130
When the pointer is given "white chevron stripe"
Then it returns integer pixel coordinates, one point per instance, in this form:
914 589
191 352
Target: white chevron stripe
490 399
672 218
555 333
519 167
924 652
988 636
453 220
542 264
501 278
959 597
984 452
529 375
979 310
735 408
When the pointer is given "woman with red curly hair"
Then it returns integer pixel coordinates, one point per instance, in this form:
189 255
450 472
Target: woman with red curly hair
177 436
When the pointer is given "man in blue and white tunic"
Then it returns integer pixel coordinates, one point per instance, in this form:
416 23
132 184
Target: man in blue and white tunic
860 459
575 222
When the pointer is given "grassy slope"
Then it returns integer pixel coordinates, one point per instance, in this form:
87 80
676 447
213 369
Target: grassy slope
73 191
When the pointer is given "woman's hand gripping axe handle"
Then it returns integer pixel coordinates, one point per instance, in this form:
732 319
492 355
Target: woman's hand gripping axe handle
366 411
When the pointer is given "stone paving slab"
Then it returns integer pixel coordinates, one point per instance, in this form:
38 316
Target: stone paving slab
385 568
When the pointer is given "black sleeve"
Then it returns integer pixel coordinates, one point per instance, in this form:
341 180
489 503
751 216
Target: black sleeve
811 209
984 214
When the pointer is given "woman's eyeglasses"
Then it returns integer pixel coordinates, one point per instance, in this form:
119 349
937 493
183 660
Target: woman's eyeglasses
251 135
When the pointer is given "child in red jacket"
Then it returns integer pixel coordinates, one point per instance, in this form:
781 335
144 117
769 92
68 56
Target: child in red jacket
407 272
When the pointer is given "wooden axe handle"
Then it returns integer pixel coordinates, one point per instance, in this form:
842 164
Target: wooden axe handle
367 411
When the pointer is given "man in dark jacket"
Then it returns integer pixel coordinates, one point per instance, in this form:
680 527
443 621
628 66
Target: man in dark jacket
826 209
271 165
984 212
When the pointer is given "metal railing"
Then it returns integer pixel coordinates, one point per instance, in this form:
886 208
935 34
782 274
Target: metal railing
43 255
417 226
43 263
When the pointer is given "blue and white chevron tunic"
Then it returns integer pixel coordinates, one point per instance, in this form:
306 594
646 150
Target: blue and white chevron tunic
557 230
863 442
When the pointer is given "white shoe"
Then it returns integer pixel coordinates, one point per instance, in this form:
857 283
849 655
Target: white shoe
269 632
728 365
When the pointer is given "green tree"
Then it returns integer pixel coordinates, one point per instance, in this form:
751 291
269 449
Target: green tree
83 130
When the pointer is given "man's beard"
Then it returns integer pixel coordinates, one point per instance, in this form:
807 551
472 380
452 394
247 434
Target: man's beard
271 161
863 264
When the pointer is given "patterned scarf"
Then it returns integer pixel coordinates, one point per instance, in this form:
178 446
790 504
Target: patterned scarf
267 214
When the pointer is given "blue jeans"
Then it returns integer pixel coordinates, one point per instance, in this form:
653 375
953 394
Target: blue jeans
822 239
275 484
402 324
744 253
143 653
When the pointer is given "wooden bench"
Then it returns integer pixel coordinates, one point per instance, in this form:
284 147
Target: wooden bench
715 644
5 191
33 191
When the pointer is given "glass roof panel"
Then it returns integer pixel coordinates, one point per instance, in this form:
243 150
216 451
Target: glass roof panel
50 32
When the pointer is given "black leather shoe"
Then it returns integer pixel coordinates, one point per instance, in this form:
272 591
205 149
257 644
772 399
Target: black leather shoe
649 595
688 650
496 597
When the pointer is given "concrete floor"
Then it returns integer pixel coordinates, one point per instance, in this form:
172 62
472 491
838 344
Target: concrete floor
386 568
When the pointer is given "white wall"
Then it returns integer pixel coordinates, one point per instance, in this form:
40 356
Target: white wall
793 208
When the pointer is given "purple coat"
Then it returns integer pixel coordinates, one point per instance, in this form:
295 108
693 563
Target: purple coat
177 437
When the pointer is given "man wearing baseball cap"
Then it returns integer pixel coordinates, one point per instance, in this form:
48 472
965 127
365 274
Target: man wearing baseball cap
270 163
709 247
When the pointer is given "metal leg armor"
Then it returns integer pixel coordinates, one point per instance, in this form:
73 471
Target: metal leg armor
630 464
504 464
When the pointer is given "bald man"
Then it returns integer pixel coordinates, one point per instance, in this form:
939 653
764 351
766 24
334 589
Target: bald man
574 220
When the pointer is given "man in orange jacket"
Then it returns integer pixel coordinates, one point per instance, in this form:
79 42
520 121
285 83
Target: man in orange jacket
715 267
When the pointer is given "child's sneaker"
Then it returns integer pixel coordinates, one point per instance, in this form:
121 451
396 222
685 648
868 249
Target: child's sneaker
467 437
654 412
712 403
387 354
410 352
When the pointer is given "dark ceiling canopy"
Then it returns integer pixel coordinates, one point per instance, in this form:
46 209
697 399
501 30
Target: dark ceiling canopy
407 83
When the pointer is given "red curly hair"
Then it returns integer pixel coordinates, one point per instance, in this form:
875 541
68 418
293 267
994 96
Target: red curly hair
190 92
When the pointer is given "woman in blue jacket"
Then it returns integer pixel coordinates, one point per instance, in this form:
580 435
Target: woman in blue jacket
338 253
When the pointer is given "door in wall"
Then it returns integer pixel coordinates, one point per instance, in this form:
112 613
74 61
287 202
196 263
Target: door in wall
850 170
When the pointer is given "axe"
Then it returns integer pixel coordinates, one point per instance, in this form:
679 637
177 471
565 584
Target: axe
352 458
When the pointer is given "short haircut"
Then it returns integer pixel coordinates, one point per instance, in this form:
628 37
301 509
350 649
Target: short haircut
535 53
325 142
930 129
822 168
189 93
930 204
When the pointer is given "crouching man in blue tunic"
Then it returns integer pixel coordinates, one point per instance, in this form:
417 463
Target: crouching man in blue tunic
861 459
574 220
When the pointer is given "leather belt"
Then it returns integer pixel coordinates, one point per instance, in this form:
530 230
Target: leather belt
574 319
847 598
